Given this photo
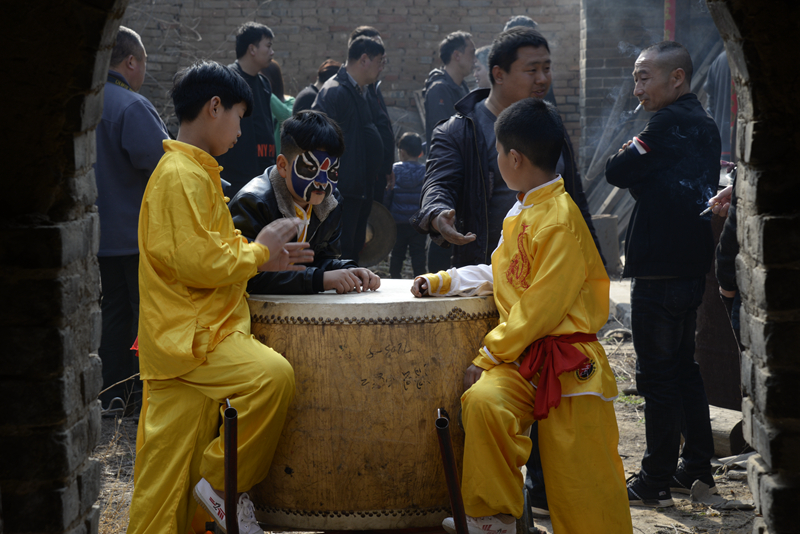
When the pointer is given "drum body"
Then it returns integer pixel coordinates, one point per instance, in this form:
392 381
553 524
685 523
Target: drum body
359 449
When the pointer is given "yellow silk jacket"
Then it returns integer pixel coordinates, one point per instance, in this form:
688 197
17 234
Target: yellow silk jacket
193 264
548 280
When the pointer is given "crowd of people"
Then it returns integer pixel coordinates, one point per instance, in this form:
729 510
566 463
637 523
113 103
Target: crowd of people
263 192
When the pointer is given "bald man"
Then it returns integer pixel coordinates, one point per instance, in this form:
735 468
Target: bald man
129 147
671 168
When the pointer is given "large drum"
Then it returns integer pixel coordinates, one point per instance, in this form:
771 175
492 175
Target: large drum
359 449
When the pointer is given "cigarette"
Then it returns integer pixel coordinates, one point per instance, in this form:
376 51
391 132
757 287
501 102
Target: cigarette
638 108
708 209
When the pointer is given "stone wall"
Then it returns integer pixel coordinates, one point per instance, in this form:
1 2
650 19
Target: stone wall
757 35
176 32
49 279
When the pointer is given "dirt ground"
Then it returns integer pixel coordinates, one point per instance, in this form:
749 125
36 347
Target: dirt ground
116 452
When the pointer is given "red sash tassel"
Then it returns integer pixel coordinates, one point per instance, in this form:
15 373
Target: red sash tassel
551 356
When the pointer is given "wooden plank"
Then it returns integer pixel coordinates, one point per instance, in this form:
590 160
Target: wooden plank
726 429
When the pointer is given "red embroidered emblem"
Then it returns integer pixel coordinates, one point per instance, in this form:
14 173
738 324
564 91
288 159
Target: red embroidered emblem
520 266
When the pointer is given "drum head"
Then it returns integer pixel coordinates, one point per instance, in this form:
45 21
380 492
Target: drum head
381 235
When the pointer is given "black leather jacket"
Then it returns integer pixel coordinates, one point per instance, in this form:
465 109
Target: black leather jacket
266 198
456 177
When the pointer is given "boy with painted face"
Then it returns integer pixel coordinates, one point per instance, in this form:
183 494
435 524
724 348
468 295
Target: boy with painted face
303 185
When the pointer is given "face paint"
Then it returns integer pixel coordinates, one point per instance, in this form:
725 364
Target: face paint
314 166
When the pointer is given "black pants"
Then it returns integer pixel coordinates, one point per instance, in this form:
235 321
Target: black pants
411 240
355 214
119 276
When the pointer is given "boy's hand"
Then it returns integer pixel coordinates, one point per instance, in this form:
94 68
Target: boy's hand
420 287
471 375
445 224
282 254
347 280
369 280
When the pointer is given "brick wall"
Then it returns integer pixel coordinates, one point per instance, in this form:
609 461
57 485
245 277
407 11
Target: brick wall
176 32
757 34
49 278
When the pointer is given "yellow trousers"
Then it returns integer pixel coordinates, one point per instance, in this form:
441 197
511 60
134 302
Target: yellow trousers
179 439
578 441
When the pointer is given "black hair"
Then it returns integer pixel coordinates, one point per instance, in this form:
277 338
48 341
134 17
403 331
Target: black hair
533 128
451 43
505 47
520 20
273 73
671 56
328 70
365 45
195 85
411 143
363 31
128 43
311 130
250 33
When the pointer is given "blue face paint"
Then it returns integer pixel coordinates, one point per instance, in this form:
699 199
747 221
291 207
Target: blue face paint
314 170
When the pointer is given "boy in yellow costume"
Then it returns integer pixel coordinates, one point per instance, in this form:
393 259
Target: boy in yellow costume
195 346
543 361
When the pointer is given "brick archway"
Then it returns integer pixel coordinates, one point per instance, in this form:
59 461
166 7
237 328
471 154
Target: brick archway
56 58
760 38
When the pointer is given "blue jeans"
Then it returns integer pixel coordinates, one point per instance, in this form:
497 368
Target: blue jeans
663 320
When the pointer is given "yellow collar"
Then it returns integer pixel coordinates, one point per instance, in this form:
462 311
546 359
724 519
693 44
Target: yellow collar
542 192
202 157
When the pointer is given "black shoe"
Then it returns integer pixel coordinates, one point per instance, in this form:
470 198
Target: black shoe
640 494
682 482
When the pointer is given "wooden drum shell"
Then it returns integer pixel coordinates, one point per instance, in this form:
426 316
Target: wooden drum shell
359 449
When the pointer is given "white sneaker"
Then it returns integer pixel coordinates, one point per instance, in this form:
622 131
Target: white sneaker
210 501
205 495
484 525
247 516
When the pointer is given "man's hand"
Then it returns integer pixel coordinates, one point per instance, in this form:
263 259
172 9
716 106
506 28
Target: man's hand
626 145
445 224
346 280
727 294
471 375
721 202
282 254
420 287
390 181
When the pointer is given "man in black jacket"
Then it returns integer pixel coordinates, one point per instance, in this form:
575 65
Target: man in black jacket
305 98
255 149
671 169
346 100
464 199
303 185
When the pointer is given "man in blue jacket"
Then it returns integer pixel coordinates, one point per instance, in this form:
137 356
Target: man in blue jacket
129 147
671 168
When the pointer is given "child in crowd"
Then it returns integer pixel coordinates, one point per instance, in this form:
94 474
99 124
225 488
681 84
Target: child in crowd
409 175
543 361
302 187
195 346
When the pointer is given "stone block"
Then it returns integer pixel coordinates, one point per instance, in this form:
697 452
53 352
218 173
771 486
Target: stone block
779 497
756 468
774 393
774 341
65 450
41 507
50 246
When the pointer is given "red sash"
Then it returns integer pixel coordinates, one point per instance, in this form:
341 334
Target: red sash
551 356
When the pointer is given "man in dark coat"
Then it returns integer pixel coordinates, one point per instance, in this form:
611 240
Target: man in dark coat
671 168
255 149
464 197
305 98
346 100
